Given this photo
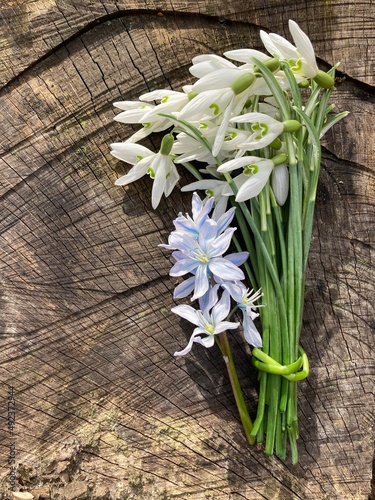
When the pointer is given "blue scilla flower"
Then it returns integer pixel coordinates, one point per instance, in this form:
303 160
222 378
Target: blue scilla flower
203 257
185 224
209 320
245 300
199 244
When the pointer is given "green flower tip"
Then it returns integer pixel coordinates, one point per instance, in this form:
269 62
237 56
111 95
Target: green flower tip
276 144
279 159
324 80
151 172
242 83
291 125
166 144
251 169
272 64
192 94
305 84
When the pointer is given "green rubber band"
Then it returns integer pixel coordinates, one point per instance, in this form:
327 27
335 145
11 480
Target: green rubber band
291 372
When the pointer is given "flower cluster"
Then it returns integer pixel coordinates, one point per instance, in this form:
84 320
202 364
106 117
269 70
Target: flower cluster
249 131
199 244
224 121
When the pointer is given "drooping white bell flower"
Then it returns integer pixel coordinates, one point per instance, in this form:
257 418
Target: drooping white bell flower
135 112
171 101
301 58
221 94
263 128
207 63
256 172
246 56
159 166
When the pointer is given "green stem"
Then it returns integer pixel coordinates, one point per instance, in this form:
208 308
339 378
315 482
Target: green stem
236 388
248 270
192 170
248 243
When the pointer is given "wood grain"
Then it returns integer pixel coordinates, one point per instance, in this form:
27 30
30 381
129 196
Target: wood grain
103 408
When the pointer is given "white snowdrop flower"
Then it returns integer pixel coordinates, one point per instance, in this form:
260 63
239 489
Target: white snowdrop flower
170 102
263 128
159 166
207 63
132 111
221 94
256 172
301 58
189 149
147 114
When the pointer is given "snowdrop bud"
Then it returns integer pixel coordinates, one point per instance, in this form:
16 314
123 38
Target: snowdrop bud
166 144
291 125
272 64
280 183
324 80
242 83
279 159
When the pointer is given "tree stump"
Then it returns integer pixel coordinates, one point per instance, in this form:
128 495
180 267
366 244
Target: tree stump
103 410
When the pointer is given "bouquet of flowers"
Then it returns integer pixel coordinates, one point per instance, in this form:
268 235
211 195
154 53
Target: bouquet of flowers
249 132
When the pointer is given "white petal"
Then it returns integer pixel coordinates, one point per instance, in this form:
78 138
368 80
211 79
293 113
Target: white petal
269 45
240 163
255 118
222 308
219 79
251 334
221 133
157 95
206 341
127 105
134 174
226 325
207 63
193 338
208 300
184 289
201 104
130 153
280 183
158 165
187 312
287 50
254 183
225 270
171 180
304 45
203 184
246 55
201 282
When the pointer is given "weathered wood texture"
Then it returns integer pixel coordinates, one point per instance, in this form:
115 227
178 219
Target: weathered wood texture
103 408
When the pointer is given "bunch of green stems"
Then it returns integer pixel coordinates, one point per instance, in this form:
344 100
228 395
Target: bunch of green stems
278 241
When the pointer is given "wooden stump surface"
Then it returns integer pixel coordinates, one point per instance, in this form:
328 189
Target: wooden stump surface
103 410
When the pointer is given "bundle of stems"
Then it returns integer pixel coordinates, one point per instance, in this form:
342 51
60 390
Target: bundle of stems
278 241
